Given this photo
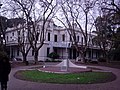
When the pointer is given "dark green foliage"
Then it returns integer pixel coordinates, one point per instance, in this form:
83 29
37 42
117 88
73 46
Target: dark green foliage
52 60
15 21
94 62
101 59
53 55
108 35
3 55
3 23
3 27
115 54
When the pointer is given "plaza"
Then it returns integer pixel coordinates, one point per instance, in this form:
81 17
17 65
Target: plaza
16 84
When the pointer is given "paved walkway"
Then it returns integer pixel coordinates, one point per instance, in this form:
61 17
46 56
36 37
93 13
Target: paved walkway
16 84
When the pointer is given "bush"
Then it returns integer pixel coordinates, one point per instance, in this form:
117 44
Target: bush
52 60
94 62
3 55
102 59
114 54
53 55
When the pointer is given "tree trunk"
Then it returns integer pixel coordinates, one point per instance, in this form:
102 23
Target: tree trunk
106 57
25 59
83 57
36 57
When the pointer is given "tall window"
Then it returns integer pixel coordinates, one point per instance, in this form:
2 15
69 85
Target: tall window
70 38
7 38
48 51
55 38
18 52
37 36
63 37
48 36
77 38
32 52
82 40
13 34
18 32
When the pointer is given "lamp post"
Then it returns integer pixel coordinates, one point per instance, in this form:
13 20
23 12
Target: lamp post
66 52
65 64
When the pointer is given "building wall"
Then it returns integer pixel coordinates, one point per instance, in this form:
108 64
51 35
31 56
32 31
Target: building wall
63 46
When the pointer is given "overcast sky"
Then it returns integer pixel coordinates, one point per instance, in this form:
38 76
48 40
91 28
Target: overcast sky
95 12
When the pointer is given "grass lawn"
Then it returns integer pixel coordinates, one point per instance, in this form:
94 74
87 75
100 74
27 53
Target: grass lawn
73 78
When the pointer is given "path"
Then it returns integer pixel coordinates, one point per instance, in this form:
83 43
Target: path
16 84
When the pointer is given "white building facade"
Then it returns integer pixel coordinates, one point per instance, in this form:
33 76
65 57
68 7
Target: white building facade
57 40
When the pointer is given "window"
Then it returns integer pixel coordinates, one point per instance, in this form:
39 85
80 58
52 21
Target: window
70 38
48 36
82 40
32 52
18 52
37 36
13 34
18 32
55 38
7 38
63 37
77 38
48 51
18 39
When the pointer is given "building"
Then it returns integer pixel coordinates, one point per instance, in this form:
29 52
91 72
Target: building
57 40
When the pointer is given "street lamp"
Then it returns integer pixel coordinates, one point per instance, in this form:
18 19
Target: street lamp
65 64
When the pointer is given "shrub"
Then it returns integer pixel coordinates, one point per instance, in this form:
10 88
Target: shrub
53 55
114 54
94 62
102 59
3 55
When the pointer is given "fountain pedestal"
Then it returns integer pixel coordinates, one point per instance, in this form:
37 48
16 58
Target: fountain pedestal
66 63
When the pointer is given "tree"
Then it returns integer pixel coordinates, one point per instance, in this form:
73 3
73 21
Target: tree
112 6
102 35
75 13
23 42
106 27
22 38
37 35
3 27
20 24
36 14
115 52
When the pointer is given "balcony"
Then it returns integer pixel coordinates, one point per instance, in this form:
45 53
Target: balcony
60 44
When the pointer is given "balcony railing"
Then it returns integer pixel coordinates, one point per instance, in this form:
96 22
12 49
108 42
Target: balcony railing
60 44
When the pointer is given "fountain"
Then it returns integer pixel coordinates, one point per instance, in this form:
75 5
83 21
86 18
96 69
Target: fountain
66 66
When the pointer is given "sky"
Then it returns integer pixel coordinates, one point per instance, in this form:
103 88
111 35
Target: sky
94 12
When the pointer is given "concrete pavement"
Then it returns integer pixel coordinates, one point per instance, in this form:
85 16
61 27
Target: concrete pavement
16 84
